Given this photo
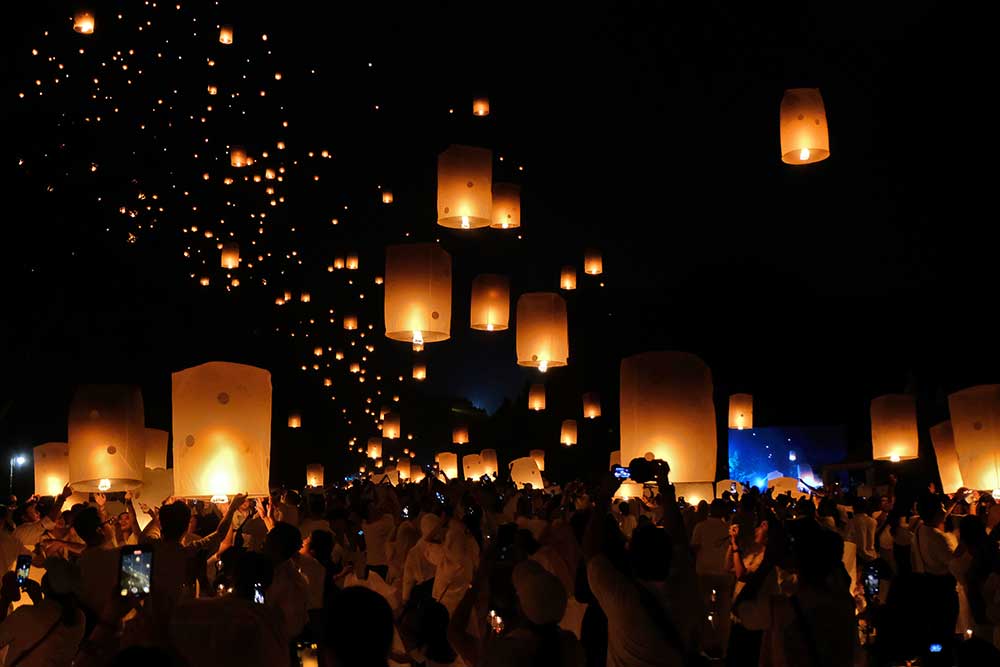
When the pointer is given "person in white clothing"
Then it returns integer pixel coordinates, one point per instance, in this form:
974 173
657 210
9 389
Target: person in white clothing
710 543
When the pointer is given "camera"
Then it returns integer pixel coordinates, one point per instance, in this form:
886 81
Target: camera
645 471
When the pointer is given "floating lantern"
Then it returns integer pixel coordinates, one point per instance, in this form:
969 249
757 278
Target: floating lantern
615 459
417 293
403 468
805 137
390 426
386 196
212 90
481 106
536 397
741 411
894 428
352 262
472 466
378 280
288 295
419 372
506 206
464 195
204 281
222 431
305 297
238 157
523 472
567 435
375 446
51 468
567 278
538 456
667 413
295 420
490 463
542 335
106 438
695 492
592 264
156 444
355 367
350 322
975 419
490 308
591 405
314 475
460 435
270 174
226 34
318 351
83 23
230 255
448 464
338 263
943 439
730 485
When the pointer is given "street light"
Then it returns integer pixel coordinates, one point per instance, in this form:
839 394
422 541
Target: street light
18 460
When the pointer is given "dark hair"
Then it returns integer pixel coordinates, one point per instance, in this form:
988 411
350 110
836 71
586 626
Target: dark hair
359 628
548 651
87 525
651 553
248 569
432 631
321 546
283 541
717 509
68 604
174 520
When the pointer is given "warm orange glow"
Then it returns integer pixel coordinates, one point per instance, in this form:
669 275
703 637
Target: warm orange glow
305 297
567 434
83 22
538 456
536 397
695 492
542 333
419 371
490 304
805 137
106 437
355 367
238 157
481 106
338 263
226 34
894 427
156 445
506 206
975 420
352 262
943 439
460 435
294 420
592 262
490 463
741 411
51 468
350 322
375 447
417 293
523 471
567 278
448 464
318 351
591 405
472 466
464 196
386 196
390 426
314 475
230 255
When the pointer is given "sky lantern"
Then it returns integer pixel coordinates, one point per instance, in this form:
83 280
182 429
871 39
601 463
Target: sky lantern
629 490
350 322
666 412
490 463
156 445
695 492
460 435
387 196
106 438
390 426
375 447
51 468
523 471
464 195
567 434
481 106
226 34
222 431
472 466
805 137
417 293
213 90
591 405
536 397
490 307
567 278
351 263
314 475
83 23
338 263
592 263
305 297
741 411
238 157
894 427
419 371
318 351
538 456
403 468
230 255
294 420
355 367
506 206
943 439
448 464
975 420
542 331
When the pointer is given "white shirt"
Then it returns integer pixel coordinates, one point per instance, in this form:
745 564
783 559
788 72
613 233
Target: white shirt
289 594
711 536
315 575
861 531
377 535
932 550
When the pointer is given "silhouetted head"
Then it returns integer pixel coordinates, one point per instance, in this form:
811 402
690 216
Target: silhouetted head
359 629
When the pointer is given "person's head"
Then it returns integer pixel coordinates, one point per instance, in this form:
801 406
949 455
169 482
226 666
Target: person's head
320 545
623 508
147 656
930 510
432 631
972 532
316 505
250 571
860 506
175 520
651 553
61 584
818 554
359 629
125 522
282 542
88 526
292 498
717 509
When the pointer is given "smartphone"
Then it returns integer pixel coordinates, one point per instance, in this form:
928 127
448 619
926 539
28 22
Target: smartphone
621 472
439 496
871 582
732 487
23 568
135 571
406 512
258 593
485 478
935 648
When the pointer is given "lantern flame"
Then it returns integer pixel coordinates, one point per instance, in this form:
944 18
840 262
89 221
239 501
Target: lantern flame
465 222
418 338
894 458
104 485
804 154
543 365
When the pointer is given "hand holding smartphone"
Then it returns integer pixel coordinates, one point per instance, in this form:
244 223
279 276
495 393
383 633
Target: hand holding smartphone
23 568
135 571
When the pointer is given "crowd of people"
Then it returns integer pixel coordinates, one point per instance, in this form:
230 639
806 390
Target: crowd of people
483 574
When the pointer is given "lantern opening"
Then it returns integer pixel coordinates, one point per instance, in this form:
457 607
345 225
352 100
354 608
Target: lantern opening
219 499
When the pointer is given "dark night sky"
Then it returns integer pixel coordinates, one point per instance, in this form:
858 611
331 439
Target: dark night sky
644 129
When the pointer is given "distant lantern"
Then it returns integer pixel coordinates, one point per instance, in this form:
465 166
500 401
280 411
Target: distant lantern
226 34
536 397
350 322
805 136
464 195
695 492
419 371
390 426
567 278
538 456
490 463
378 280
460 435
591 405
943 439
352 262
741 411
894 427
481 106
490 305
51 468
83 23
448 464
523 472
318 351
238 157
975 419
106 438
230 255
387 196
592 263
156 445
542 331
314 475
506 206
294 420
666 412
417 293
338 263
222 431
305 297
213 90
472 465
355 367
567 434
403 468
375 447
204 281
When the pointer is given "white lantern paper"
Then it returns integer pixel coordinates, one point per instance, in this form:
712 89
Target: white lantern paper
567 434
523 471
157 442
417 293
943 439
106 438
894 427
542 331
390 426
465 192
730 485
490 463
314 475
788 485
51 468
538 456
472 464
448 464
975 420
695 492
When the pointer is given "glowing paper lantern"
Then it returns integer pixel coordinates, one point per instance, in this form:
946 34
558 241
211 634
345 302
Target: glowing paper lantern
490 463
667 412
472 466
481 106
805 137
542 331
156 443
695 492
567 434
305 297
212 90
355 367
591 405
894 427
375 447
318 351
943 439
417 293
157 486
464 196
222 430
106 438
490 308
615 459
740 411
448 464
403 468
226 34
51 468
386 196
536 397
294 420
592 263
230 255
350 322
567 278
419 372
785 485
975 419
338 263
314 475
460 435
83 23
523 471
506 206
238 157
538 456
352 262
724 485
390 426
